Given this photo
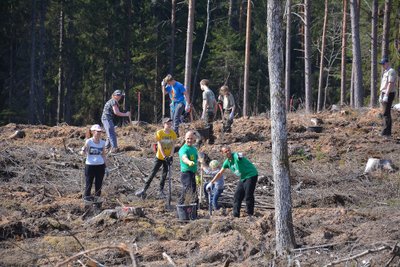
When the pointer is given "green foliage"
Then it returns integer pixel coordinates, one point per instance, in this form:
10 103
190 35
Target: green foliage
126 45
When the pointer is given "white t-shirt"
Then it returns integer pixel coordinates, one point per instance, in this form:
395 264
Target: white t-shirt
389 76
94 152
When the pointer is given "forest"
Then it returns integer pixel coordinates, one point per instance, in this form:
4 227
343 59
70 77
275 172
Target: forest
61 60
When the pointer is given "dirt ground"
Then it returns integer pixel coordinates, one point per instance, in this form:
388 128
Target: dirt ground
339 212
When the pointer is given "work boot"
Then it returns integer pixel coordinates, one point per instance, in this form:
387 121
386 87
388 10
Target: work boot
141 193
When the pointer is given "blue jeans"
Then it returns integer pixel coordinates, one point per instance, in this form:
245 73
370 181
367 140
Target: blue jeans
110 130
215 194
176 112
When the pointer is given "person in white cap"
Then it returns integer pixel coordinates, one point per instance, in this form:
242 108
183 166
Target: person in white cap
387 95
111 110
95 164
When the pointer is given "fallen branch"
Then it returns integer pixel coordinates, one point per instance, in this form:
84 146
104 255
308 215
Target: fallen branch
319 246
358 255
121 246
168 258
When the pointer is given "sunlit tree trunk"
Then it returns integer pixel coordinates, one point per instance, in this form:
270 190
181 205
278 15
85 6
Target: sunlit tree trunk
321 65
40 86
247 60
307 56
173 26
60 62
189 44
374 52
355 34
193 97
344 48
32 89
386 28
282 192
287 53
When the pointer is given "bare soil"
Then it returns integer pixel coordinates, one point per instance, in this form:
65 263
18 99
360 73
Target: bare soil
338 211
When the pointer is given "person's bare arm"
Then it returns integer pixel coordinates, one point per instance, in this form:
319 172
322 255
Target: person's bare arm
119 113
217 176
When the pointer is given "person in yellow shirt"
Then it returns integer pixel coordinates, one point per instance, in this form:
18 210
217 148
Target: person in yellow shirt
165 138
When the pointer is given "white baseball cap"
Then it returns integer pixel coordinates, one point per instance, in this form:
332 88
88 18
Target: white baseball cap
96 128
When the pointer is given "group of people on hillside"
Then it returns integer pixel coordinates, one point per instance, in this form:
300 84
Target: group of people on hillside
95 148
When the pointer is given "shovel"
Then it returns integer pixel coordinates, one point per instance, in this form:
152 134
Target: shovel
168 205
209 203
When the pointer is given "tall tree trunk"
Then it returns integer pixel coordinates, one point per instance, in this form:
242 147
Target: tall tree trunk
352 86
321 64
343 63
355 34
386 28
32 89
232 14
194 92
173 26
280 163
155 94
189 44
247 60
60 62
307 56
287 53
127 60
68 95
40 88
374 52
241 15
11 87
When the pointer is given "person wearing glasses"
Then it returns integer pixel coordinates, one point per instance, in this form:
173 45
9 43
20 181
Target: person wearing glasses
248 176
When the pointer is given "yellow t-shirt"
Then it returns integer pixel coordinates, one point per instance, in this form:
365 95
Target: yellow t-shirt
166 141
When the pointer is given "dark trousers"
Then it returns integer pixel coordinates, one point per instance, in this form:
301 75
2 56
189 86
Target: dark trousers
227 122
188 181
209 118
387 117
245 190
157 164
96 173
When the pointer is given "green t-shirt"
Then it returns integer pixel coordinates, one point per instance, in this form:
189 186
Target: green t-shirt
241 167
191 153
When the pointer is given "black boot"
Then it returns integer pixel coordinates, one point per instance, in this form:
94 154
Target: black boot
141 193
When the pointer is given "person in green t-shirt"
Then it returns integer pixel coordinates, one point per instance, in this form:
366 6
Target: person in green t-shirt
188 162
248 177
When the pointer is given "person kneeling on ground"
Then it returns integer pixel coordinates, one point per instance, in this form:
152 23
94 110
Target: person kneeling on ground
214 189
248 176
166 138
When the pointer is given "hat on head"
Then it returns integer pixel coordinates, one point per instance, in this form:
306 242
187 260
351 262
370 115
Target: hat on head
165 120
118 92
96 128
384 60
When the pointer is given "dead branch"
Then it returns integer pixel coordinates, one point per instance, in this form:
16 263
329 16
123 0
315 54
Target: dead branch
121 246
168 258
319 246
368 251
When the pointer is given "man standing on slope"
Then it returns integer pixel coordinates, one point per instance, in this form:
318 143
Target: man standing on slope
387 94
179 99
